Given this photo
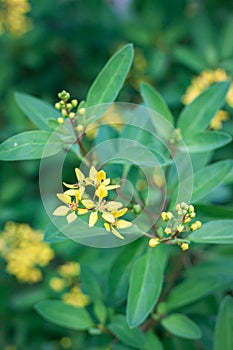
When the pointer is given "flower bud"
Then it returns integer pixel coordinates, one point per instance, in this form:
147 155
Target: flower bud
180 228
184 246
71 115
58 105
60 120
81 111
153 242
137 209
74 103
168 230
80 128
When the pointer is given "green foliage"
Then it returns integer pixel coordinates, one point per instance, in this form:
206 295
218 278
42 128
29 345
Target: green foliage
110 80
216 232
64 315
224 325
181 326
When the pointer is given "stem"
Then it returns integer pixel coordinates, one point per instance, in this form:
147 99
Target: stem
79 142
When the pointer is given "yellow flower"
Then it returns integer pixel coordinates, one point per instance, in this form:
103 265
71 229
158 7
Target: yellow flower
69 269
184 246
216 122
168 230
18 239
166 216
70 205
196 225
153 242
112 222
57 284
76 297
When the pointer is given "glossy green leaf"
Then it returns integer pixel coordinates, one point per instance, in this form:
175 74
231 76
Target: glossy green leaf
110 80
215 211
181 326
209 177
197 116
146 282
194 289
38 111
100 311
120 271
64 315
30 145
223 338
216 232
153 342
206 141
154 100
131 337
90 283
189 58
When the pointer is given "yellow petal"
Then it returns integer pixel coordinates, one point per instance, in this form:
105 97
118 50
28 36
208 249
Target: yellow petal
123 224
112 187
113 206
71 192
100 176
101 192
89 204
82 211
119 213
61 211
108 217
71 217
80 176
78 195
107 226
93 172
70 186
116 233
93 219
106 182
64 198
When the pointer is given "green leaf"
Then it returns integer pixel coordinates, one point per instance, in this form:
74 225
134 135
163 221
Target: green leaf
208 178
181 326
131 337
64 315
100 311
206 141
223 338
52 234
216 232
193 289
110 80
197 116
121 269
38 111
90 283
30 145
152 342
190 59
145 286
214 211
226 49
154 100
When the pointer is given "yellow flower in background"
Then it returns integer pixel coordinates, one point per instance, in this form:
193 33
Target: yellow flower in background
202 82
24 252
57 284
69 269
13 17
76 297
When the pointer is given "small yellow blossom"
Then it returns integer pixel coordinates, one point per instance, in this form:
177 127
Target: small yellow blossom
18 239
65 342
60 120
168 230
69 269
76 297
71 205
166 216
13 17
216 122
180 228
57 284
153 242
196 225
112 222
184 246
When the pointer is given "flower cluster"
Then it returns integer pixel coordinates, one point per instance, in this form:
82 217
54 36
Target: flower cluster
203 81
78 202
13 16
67 282
24 251
177 224
67 108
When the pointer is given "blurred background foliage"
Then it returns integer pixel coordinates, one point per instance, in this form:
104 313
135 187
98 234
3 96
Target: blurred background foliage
47 46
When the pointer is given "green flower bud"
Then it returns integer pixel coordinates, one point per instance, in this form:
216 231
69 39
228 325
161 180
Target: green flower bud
137 209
